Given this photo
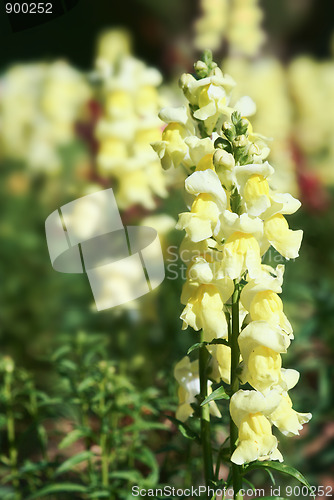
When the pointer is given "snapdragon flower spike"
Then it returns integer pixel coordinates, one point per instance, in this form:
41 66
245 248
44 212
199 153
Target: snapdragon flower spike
234 217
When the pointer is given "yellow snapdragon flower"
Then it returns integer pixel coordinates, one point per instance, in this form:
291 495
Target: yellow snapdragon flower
286 241
260 298
203 220
260 346
249 411
241 249
286 419
204 295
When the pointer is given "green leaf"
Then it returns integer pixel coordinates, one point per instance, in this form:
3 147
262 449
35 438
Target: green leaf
217 394
142 425
86 384
60 352
274 498
284 469
100 494
148 458
58 488
183 428
195 346
73 461
31 467
72 437
127 475
271 476
219 342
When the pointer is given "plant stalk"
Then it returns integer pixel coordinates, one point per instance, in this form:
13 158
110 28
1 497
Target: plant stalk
235 357
205 417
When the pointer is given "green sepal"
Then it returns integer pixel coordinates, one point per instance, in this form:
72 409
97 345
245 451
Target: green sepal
235 201
221 143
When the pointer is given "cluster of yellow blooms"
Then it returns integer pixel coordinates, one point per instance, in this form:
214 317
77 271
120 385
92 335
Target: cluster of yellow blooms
236 20
39 105
234 217
131 101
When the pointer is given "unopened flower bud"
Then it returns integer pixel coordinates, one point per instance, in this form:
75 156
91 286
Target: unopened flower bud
254 149
201 69
242 126
240 141
228 130
223 159
184 81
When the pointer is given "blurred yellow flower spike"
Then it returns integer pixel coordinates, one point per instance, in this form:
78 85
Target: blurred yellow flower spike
234 21
39 106
114 44
131 100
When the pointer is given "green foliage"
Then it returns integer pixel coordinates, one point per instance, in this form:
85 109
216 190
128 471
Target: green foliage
282 468
112 426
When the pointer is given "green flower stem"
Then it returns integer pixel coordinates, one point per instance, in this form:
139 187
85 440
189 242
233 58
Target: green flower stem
205 416
235 356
